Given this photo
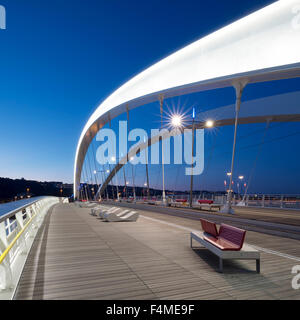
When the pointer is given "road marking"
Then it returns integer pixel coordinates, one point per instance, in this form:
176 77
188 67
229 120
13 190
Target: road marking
277 253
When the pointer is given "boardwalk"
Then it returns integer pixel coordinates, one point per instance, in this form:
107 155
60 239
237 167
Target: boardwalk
77 256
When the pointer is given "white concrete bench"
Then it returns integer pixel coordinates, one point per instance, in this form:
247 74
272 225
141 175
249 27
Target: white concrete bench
208 206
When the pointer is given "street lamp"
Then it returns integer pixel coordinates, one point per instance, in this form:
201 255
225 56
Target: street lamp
176 120
240 178
209 123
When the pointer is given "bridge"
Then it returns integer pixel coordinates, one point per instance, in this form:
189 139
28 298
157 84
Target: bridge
227 57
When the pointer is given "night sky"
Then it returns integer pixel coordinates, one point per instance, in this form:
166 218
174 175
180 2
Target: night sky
60 59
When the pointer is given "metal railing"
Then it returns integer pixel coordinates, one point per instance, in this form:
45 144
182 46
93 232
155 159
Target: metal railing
280 201
19 224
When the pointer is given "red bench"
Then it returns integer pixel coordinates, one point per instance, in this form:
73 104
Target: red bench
205 201
228 238
181 200
209 227
227 243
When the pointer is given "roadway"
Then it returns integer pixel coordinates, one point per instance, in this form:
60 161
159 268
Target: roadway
280 222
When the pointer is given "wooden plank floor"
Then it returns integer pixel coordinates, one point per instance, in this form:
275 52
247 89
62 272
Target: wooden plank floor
78 256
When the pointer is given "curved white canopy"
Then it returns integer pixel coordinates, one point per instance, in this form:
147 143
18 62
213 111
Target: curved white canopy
263 46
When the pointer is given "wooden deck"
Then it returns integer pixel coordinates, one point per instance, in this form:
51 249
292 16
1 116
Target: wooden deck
77 256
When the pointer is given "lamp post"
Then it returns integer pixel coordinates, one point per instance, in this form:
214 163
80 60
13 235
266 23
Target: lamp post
177 122
133 185
241 179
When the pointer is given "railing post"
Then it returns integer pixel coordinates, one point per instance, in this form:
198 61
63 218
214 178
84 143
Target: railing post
281 201
6 282
263 201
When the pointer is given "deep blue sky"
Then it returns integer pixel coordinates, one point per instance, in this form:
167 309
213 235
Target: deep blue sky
60 59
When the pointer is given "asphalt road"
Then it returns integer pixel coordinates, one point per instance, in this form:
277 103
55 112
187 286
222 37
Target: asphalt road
284 223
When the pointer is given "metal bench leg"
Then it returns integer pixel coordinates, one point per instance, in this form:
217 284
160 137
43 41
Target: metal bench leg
258 265
221 265
191 242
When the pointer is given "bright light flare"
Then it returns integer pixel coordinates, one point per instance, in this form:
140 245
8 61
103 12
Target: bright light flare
176 120
209 123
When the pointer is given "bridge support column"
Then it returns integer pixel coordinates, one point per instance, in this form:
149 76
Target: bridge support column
192 175
239 87
161 101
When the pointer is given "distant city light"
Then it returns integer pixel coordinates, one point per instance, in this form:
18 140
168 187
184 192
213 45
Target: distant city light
241 177
229 174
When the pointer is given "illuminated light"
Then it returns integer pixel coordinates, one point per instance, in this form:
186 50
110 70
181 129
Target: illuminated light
145 184
209 123
131 158
241 177
95 171
127 182
194 113
113 158
229 174
107 171
176 120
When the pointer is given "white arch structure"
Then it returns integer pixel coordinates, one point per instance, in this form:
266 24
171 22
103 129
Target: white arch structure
263 46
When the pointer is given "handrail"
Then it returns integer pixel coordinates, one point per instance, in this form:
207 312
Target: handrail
15 210
6 251
17 238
